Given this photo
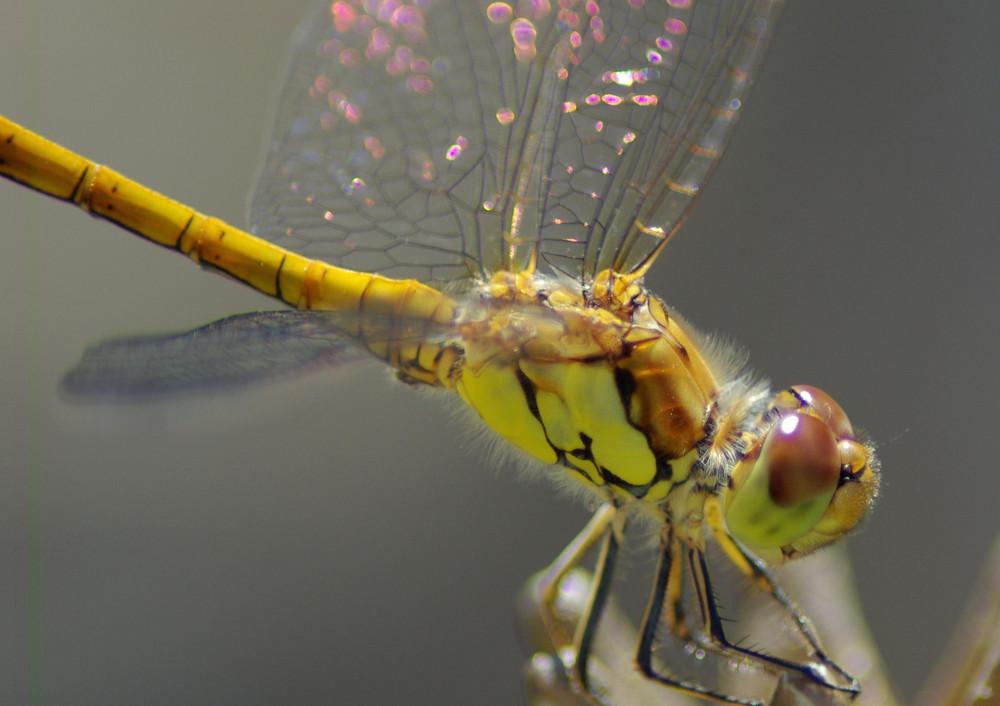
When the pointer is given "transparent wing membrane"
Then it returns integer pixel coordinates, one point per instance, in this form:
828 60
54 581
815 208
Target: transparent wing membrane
445 141
230 353
448 140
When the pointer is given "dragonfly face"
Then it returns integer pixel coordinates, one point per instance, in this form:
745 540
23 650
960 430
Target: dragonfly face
472 192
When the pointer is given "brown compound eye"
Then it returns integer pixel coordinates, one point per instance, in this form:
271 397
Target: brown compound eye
802 460
827 409
805 482
780 495
858 488
818 403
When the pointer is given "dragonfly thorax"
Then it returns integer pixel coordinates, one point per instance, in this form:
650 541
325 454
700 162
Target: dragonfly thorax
603 381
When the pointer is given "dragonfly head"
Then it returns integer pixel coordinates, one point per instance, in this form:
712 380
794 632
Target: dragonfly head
805 482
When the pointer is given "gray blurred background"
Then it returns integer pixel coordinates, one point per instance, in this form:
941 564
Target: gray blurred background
335 539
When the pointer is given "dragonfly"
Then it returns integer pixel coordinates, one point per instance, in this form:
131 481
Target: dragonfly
472 192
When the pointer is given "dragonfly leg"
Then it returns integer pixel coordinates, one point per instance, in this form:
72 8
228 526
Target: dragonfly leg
754 569
667 589
601 526
583 640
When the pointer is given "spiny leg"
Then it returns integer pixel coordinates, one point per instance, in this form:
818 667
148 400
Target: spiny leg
752 567
668 585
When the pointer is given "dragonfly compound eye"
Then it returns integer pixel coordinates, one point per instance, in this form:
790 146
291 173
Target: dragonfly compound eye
782 491
855 493
819 404
806 482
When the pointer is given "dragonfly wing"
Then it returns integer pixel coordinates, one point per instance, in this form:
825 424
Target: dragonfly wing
228 353
359 171
448 140
652 113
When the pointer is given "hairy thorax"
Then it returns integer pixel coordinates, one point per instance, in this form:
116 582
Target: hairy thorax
603 382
